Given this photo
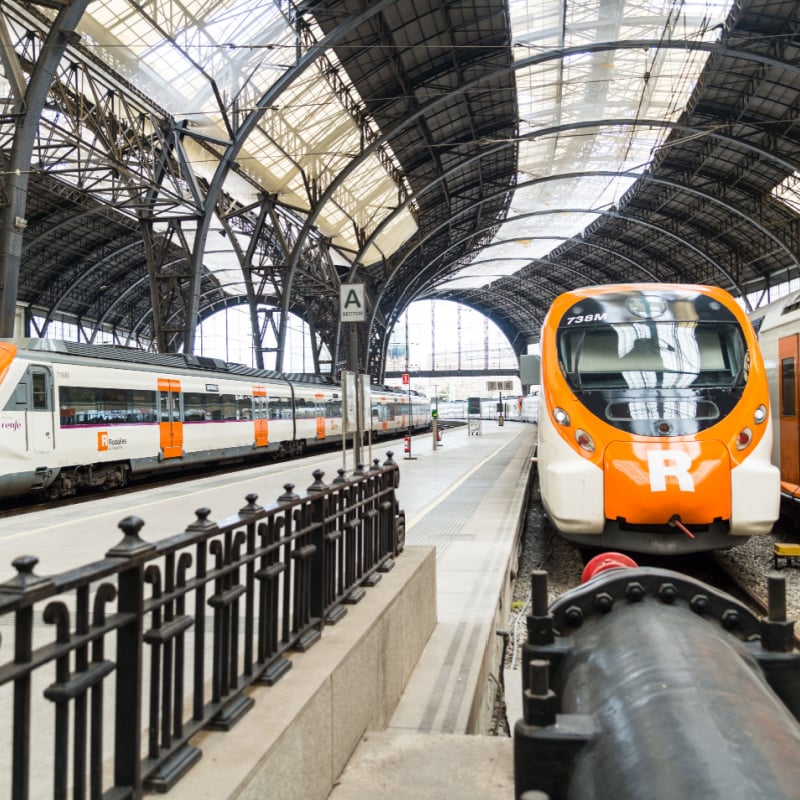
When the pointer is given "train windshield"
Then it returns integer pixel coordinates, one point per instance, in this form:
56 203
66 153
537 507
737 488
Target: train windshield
650 354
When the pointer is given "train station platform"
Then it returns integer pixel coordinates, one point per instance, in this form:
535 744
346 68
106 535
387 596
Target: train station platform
396 699
464 504
435 745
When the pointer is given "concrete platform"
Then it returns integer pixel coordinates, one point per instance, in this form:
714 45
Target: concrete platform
474 527
434 766
435 744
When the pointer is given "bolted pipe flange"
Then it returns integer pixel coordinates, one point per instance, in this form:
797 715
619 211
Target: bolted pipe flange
667 593
634 591
730 619
574 616
604 602
699 603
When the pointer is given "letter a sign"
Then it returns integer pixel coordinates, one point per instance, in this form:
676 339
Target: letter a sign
351 301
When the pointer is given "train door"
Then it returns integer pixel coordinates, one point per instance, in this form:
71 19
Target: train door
39 408
170 418
789 422
319 410
260 421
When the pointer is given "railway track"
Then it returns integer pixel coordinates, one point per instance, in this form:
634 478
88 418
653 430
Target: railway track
10 507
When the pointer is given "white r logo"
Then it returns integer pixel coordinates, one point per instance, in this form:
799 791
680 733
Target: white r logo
669 463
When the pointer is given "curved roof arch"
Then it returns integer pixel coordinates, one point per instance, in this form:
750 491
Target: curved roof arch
425 148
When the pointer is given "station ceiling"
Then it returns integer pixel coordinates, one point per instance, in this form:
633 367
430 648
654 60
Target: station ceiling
163 160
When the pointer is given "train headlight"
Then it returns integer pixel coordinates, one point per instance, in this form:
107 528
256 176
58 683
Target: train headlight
584 440
646 306
561 417
744 438
760 414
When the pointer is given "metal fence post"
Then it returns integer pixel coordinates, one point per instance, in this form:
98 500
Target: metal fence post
25 585
319 574
130 647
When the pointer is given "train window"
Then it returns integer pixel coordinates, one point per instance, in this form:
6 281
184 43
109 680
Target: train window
77 405
164 407
229 407
667 409
81 405
645 355
305 407
21 394
788 401
244 406
141 406
194 407
279 407
259 407
113 405
213 407
39 385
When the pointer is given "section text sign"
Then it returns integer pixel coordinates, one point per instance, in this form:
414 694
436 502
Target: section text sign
499 386
351 303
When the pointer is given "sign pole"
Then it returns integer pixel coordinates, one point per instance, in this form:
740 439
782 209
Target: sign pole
352 309
407 380
357 458
344 429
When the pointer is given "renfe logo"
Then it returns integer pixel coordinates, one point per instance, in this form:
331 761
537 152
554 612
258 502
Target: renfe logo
102 440
663 464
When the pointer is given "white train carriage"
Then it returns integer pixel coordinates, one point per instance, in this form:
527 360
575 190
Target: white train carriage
75 416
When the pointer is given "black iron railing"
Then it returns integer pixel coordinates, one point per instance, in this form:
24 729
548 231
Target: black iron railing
138 652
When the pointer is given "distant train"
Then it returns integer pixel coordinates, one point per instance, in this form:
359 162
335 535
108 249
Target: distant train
523 408
654 427
74 416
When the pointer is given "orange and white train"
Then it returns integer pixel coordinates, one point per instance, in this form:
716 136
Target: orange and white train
74 416
654 422
777 325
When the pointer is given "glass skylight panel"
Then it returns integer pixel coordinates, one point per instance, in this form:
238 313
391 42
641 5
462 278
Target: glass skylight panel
788 191
591 85
174 52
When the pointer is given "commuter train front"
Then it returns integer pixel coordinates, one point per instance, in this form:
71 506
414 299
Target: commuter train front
75 416
654 425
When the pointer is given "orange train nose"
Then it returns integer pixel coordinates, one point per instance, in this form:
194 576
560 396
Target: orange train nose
648 483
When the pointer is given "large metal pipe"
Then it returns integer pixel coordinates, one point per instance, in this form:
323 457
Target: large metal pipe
657 686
